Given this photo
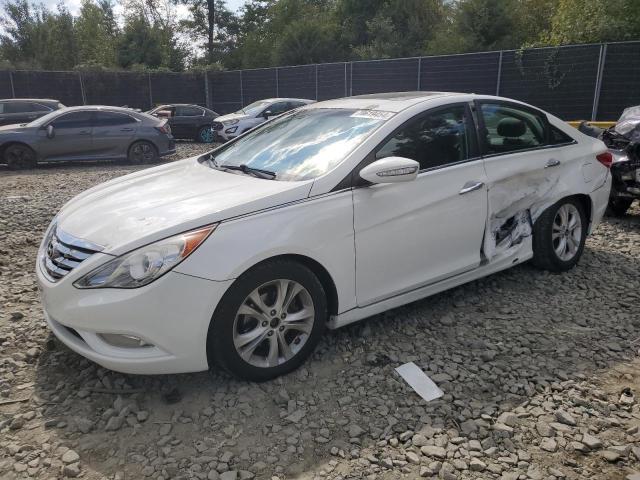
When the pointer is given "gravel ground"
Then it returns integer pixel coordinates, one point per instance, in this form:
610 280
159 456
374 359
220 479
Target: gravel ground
532 366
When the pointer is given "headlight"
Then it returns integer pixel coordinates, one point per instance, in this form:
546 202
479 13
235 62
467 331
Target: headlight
231 122
146 264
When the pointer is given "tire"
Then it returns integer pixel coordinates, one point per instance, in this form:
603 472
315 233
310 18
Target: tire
618 206
20 157
547 250
205 135
257 335
142 153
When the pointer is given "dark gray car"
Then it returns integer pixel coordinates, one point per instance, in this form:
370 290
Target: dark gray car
86 133
22 110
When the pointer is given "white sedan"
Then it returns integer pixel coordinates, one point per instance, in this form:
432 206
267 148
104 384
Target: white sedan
319 218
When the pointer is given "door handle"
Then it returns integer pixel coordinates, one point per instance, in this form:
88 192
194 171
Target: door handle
471 186
552 163
84 132
126 129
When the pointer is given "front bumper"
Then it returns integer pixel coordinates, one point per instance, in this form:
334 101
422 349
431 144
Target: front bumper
171 315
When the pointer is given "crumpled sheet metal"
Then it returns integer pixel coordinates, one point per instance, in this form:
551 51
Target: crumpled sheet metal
513 207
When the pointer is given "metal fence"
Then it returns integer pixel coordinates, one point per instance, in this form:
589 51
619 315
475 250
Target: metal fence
574 82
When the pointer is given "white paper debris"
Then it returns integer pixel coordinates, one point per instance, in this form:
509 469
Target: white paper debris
419 381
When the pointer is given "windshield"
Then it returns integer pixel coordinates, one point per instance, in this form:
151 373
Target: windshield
302 145
44 119
254 108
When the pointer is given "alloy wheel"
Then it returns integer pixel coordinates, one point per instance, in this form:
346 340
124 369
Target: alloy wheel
19 157
206 135
273 323
566 233
142 153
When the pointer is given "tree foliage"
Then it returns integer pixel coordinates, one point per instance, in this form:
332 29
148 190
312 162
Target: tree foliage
148 34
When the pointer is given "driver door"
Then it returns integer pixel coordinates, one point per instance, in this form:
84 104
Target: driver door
411 234
72 137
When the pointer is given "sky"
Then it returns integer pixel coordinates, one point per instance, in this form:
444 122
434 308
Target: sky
74 6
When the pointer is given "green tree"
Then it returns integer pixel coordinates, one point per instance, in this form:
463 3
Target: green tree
96 32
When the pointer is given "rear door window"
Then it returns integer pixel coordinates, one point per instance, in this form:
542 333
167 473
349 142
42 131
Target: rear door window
17 107
189 111
508 128
103 119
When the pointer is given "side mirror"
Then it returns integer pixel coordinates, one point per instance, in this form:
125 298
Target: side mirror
391 170
51 132
267 113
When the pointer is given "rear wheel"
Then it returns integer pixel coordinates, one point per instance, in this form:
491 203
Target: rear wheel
559 236
142 153
619 206
269 321
20 157
205 134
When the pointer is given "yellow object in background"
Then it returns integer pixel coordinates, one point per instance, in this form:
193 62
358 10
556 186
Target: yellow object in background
575 123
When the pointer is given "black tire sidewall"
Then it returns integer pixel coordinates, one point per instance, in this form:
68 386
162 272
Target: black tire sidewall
560 264
220 348
13 166
132 161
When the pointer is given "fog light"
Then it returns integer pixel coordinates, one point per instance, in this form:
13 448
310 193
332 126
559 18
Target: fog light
231 130
124 341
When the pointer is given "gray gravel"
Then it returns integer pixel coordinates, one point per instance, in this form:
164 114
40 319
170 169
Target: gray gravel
532 365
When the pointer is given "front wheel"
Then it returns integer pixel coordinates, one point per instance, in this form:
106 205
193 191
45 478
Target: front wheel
559 236
142 153
20 157
269 321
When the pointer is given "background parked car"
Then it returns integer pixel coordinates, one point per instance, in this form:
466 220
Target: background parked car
233 124
188 121
23 110
86 133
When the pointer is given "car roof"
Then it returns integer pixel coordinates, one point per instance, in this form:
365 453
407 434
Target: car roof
388 102
286 99
29 100
94 108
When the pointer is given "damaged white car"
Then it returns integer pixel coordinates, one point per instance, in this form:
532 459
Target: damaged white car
319 218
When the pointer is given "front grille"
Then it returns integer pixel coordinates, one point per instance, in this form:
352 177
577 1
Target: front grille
217 125
64 253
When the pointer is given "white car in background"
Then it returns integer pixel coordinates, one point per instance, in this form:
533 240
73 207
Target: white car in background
227 127
319 218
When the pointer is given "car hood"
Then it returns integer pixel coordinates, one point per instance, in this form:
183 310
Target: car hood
156 203
14 128
231 116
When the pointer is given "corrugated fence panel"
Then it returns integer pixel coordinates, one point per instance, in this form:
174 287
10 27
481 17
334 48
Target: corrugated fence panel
559 80
225 94
385 76
469 73
620 81
177 88
5 85
118 89
333 80
258 84
63 86
297 82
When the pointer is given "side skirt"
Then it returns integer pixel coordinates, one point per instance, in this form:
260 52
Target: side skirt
356 314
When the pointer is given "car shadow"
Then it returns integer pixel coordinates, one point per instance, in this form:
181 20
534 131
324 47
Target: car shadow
490 344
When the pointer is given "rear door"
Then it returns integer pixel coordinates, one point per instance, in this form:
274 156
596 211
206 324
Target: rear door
524 162
71 137
186 121
112 134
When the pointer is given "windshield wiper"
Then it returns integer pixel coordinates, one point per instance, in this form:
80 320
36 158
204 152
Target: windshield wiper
258 172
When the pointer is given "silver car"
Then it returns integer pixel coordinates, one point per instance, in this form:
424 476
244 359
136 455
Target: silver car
228 127
86 133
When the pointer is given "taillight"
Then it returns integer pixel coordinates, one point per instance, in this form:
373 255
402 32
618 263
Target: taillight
164 129
605 159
